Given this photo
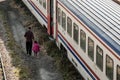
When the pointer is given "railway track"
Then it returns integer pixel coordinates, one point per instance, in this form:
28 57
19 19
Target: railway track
2 71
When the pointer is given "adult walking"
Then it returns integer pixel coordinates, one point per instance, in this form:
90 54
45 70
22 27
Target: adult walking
29 39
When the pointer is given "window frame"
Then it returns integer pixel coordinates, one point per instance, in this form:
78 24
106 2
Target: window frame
59 16
75 32
44 4
69 26
90 44
63 20
99 58
111 74
118 72
83 40
41 2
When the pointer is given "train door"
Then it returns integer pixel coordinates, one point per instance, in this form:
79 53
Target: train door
50 9
51 14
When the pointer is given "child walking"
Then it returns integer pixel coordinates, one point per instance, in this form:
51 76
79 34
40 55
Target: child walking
36 48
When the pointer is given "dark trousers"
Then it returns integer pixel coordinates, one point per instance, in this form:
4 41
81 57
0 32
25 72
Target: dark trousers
29 47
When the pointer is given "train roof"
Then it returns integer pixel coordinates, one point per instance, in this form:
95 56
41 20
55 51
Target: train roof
101 16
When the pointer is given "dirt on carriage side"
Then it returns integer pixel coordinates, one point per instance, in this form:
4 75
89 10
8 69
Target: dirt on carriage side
21 66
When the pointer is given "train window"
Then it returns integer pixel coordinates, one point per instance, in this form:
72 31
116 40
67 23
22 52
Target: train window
75 32
63 20
69 26
40 1
83 40
99 57
58 15
91 48
118 72
44 4
109 67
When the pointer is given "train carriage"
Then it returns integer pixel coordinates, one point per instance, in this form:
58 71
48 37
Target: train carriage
89 30
42 10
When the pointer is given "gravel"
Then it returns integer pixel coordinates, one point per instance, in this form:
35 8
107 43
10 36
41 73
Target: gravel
41 68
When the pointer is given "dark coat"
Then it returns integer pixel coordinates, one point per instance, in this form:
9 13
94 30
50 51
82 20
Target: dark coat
29 36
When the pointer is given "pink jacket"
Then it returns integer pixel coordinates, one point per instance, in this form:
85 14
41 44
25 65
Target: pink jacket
36 47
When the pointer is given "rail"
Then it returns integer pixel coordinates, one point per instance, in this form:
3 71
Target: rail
2 67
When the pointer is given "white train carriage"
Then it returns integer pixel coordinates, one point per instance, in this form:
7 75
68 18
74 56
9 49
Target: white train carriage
43 11
89 30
